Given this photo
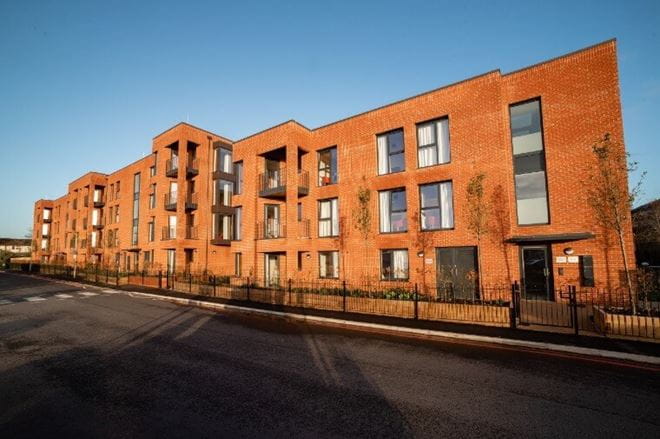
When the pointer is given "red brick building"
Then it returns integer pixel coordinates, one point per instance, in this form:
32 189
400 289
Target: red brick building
282 203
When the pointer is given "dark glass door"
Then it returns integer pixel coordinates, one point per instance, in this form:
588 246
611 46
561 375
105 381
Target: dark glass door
457 272
536 273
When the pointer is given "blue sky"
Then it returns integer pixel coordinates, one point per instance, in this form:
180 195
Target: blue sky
86 85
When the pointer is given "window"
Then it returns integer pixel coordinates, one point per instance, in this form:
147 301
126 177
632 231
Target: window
238 214
152 197
136 208
152 229
222 226
223 192
301 255
328 218
390 152
587 271
223 160
238 172
529 163
329 265
148 258
299 211
433 143
84 223
393 211
328 166
152 172
436 206
238 264
116 214
394 264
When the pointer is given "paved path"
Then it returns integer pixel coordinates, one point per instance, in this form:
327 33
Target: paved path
87 363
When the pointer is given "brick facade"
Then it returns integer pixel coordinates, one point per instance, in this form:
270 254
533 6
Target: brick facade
579 100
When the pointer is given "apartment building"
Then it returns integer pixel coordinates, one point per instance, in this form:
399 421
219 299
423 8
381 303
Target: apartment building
283 203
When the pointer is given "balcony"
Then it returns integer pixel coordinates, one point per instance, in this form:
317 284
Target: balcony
272 183
170 200
169 233
271 229
45 233
191 232
303 182
219 240
100 201
172 167
304 229
192 168
98 225
191 201
96 248
47 220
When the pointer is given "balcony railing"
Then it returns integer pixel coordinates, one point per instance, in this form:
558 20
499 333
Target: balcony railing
99 224
169 233
272 183
303 182
191 201
303 229
170 200
192 168
271 229
47 220
172 167
96 247
100 201
191 232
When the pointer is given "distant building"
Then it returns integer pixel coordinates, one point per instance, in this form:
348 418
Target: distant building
646 230
16 246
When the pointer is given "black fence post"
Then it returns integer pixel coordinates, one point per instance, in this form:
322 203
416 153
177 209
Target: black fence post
190 282
160 279
416 303
107 274
512 307
97 273
248 289
289 286
213 280
143 276
343 287
573 303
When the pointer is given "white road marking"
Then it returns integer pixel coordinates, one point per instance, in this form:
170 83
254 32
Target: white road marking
110 291
63 296
87 294
34 299
5 302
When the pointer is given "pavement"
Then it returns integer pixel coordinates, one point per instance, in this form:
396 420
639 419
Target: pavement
90 362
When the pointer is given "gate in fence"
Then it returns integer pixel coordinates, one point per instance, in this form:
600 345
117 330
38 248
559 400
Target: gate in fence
564 312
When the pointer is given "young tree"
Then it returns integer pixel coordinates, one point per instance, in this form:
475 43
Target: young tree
477 215
610 198
362 217
422 242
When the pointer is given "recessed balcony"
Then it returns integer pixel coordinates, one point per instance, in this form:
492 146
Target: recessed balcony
170 201
304 228
192 232
271 229
172 167
168 233
192 168
191 201
99 224
272 183
303 182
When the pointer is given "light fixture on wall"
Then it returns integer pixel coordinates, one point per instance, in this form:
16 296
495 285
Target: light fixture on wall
569 251
307 256
420 254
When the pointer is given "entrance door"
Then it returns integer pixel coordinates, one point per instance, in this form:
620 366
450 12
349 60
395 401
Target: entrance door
457 273
272 266
171 261
535 272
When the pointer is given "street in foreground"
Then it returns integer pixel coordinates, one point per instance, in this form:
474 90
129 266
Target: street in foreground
83 362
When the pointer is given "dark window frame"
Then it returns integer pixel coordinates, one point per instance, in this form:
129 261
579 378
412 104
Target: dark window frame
330 218
391 277
433 121
387 135
328 252
391 191
439 206
334 177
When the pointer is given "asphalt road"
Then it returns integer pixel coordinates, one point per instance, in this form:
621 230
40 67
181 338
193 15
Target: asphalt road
86 363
